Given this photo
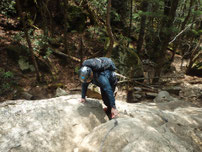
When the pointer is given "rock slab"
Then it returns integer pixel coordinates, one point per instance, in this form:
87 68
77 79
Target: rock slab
63 124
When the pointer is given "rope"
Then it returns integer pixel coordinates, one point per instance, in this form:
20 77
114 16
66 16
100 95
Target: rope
107 134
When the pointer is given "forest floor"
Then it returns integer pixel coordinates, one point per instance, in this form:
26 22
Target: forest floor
190 86
26 81
177 83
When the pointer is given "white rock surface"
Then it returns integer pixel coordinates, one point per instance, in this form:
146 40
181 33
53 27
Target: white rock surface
63 124
54 125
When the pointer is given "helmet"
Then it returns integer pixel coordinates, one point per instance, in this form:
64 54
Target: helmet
85 74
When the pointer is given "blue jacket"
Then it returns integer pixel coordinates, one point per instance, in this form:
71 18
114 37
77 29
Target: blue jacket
106 80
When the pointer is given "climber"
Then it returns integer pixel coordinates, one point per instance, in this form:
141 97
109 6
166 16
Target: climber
100 71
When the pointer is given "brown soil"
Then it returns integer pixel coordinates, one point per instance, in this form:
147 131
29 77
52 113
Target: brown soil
26 81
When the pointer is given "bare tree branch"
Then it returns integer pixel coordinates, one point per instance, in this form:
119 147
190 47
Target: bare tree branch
180 33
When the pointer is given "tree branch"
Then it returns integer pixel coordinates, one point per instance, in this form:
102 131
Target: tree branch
180 33
65 55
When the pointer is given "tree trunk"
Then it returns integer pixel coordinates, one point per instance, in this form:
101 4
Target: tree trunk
176 43
43 12
22 15
50 18
161 43
188 15
109 30
131 18
94 18
191 62
65 26
81 49
144 6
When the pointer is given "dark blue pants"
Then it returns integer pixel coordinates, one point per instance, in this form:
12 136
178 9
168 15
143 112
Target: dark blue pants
109 79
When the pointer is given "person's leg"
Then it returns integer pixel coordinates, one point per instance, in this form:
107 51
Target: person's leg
106 102
104 97
107 91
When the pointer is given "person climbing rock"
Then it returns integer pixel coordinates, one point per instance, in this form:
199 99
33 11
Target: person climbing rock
100 71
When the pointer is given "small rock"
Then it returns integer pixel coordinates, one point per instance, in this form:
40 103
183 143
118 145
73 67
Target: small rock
138 96
26 95
163 96
60 92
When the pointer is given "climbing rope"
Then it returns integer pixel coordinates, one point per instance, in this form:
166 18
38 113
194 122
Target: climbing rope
106 135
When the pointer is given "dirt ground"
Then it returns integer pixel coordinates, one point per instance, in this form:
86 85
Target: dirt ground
26 81
191 85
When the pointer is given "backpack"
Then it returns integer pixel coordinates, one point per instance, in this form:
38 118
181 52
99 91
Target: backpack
100 64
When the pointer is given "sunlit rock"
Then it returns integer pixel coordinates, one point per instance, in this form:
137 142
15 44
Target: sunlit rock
63 124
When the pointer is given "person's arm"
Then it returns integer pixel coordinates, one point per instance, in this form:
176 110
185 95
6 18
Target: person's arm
83 91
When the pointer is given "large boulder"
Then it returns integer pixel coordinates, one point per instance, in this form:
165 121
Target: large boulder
54 125
64 124
153 127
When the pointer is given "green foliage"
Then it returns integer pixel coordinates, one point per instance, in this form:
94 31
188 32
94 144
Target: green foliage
19 36
196 32
126 59
197 13
76 70
7 82
76 18
128 62
100 6
39 41
98 33
198 66
7 7
48 52
136 16
122 8
8 75
116 16
157 14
